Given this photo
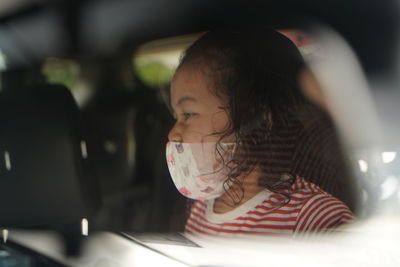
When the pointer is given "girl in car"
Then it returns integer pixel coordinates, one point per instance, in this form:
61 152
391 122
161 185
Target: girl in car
251 151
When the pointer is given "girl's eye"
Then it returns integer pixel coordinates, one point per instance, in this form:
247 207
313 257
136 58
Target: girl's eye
187 115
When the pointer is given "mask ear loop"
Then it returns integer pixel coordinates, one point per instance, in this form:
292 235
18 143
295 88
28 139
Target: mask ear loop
234 195
232 186
220 155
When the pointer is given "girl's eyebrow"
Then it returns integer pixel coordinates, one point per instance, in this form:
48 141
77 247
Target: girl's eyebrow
185 98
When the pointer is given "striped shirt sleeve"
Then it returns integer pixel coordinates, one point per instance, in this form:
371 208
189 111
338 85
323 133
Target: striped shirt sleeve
322 212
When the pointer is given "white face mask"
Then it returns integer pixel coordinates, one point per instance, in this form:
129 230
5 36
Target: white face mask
197 169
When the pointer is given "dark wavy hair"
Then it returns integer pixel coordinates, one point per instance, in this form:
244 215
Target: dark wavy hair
257 70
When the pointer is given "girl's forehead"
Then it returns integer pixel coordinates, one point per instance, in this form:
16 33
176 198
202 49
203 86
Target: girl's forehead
193 83
190 73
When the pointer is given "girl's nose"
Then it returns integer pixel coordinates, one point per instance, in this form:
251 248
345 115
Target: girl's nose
175 134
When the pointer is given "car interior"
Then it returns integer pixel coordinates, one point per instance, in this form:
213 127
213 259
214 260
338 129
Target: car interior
84 105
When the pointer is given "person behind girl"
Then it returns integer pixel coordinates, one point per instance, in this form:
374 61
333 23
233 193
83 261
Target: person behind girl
246 145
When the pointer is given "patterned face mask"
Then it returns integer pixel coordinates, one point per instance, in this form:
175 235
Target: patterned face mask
199 170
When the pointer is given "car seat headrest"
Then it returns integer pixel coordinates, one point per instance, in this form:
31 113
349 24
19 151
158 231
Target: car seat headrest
43 179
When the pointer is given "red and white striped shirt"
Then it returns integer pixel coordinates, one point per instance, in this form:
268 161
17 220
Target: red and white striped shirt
310 209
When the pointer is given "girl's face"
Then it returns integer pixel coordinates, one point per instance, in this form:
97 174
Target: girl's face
199 114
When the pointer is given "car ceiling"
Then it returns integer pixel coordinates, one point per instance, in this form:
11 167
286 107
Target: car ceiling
32 30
